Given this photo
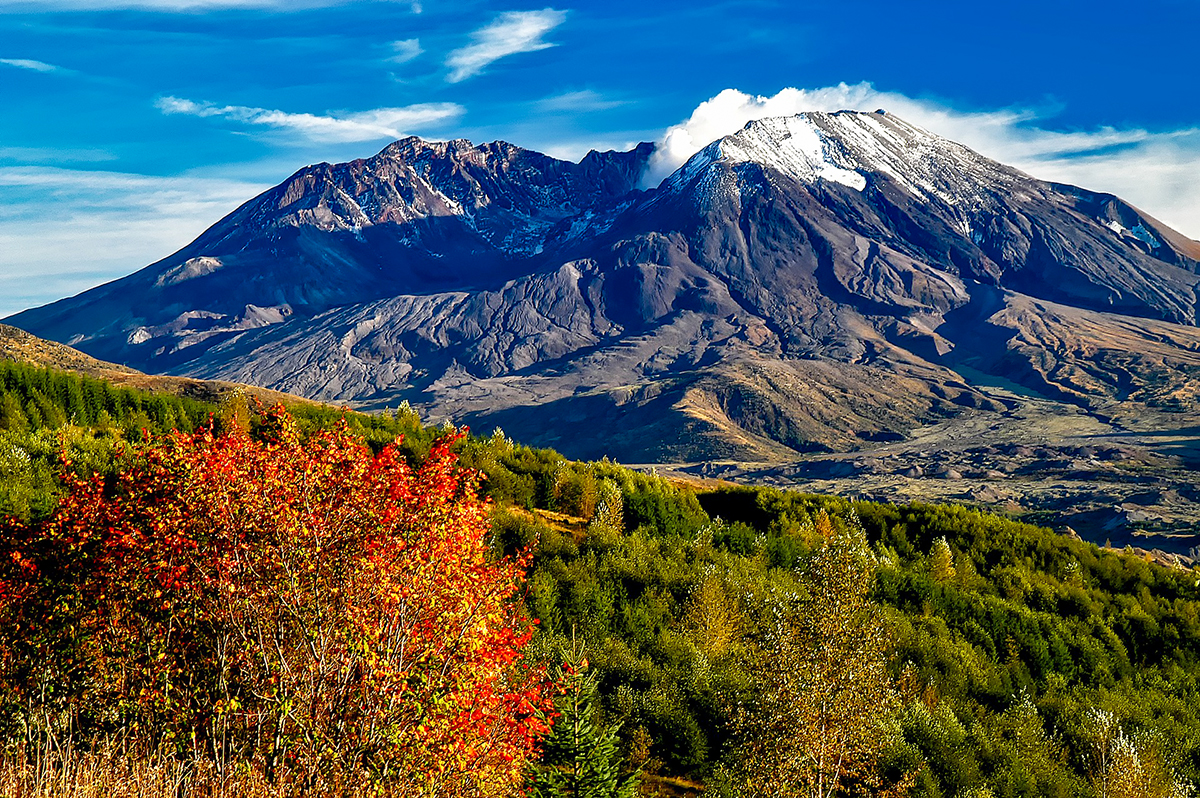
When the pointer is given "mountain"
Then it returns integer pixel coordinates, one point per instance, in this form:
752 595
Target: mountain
418 217
816 283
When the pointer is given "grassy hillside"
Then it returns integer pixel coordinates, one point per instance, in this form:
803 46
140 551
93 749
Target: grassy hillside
20 347
46 411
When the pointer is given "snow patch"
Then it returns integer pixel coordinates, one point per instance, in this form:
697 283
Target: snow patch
794 146
188 270
1138 231
847 147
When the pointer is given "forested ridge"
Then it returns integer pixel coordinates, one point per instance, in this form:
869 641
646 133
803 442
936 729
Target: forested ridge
691 627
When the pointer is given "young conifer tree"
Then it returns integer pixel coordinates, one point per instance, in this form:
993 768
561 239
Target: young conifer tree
580 758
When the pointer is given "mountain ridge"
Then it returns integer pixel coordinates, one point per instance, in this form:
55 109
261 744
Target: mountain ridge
758 304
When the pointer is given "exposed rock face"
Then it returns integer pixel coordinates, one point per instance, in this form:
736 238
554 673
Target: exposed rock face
816 282
418 216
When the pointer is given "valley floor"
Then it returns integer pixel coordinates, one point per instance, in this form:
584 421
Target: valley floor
1125 477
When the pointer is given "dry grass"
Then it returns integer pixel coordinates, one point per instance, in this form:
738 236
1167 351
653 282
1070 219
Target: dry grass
111 773
72 774
670 787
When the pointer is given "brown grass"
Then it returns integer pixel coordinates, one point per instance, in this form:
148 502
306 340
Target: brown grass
670 787
111 773
66 773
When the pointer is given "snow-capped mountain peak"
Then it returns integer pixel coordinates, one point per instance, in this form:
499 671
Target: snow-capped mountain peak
849 147
471 276
793 145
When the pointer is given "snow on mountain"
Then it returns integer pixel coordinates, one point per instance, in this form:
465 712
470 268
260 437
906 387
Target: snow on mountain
848 147
793 145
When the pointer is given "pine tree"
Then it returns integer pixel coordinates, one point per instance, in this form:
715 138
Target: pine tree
581 758
34 415
51 414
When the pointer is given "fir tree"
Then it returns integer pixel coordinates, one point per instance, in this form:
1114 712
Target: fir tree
581 758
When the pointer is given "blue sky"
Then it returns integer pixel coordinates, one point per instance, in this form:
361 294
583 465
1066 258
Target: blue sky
129 127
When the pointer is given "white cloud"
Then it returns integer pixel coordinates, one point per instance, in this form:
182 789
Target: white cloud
508 34
1154 171
29 63
583 100
379 123
1158 176
69 229
405 50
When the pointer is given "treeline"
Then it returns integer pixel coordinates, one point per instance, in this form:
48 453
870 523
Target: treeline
1023 663
33 398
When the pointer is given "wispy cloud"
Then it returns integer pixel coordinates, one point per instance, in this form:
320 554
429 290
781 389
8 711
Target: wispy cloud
1153 170
508 34
378 123
39 155
405 50
185 6
65 230
583 100
29 63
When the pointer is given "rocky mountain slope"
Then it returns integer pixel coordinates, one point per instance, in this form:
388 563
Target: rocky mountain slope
418 217
817 283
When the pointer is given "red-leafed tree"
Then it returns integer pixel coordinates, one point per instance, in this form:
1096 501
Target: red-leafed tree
306 606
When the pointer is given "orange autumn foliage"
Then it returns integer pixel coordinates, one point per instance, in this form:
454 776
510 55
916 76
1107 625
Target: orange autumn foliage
305 607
